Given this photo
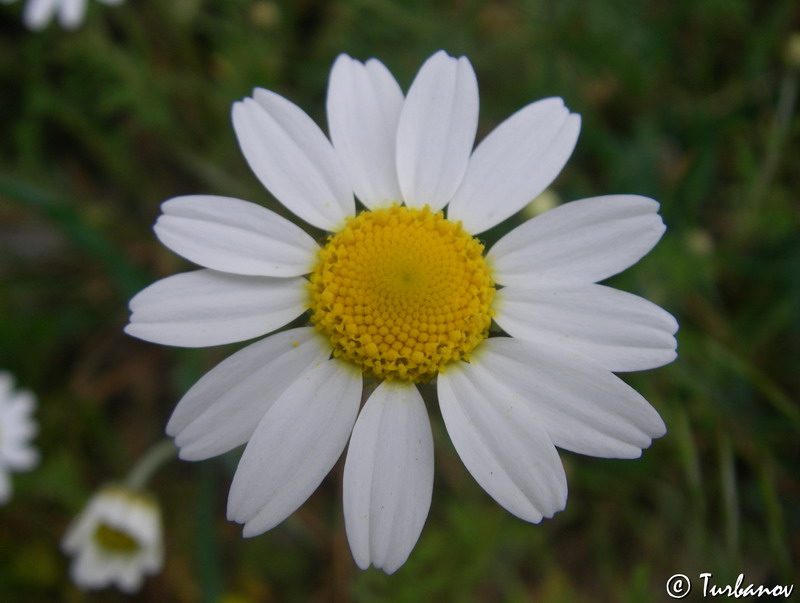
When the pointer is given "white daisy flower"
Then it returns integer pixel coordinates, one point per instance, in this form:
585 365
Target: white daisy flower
116 540
402 294
17 429
70 13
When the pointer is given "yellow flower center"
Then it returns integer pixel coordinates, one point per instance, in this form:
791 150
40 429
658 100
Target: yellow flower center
113 540
401 292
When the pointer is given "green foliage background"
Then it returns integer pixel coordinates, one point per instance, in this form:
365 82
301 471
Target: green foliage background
691 102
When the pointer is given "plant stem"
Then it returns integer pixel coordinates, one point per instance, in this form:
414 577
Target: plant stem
148 464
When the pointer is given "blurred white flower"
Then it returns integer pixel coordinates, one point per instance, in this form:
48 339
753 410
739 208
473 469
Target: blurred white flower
70 13
116 540
17 428
401 293
546 201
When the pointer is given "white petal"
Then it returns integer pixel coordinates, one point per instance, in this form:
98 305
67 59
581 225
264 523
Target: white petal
291 156
621 331
388 477
205 307
72 13
514 164
235 236
583 406
5 485
20 457
6 383
502 443
437 130
222 409
38 13
130 577
364 103
88 571
583 241
295 445
19 408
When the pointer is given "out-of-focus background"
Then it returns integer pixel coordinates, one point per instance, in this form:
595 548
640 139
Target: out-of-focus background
691 102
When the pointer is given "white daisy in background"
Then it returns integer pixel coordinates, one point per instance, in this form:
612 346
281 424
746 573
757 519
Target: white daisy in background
17 429
70 13
401 294
116 540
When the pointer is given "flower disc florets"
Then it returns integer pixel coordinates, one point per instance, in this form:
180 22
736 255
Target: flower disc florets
115 541
402 292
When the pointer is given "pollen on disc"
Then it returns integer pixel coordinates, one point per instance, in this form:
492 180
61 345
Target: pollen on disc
402 292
